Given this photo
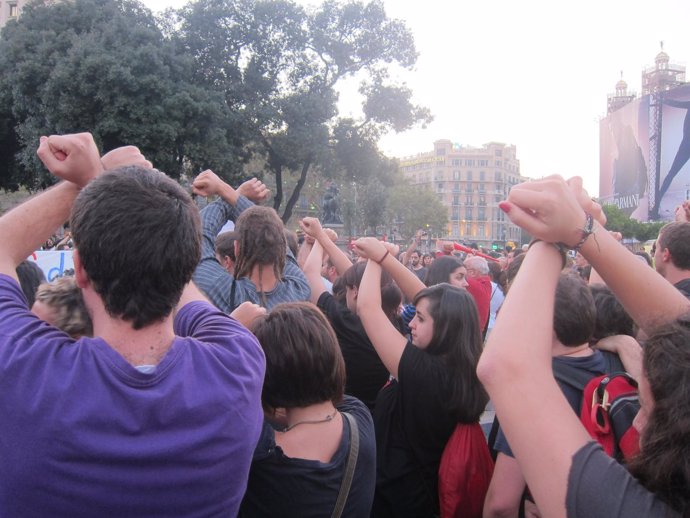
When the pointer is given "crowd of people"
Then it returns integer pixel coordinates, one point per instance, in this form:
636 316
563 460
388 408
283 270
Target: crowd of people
185 371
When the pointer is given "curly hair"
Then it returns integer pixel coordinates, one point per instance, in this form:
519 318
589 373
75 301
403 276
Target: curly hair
64 297
663 465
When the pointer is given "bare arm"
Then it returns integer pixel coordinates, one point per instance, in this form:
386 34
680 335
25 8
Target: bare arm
410 249
387 341
73 158
628 350
505 490
312 271
312 227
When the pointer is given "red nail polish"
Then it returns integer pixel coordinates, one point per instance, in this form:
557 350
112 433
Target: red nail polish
504 206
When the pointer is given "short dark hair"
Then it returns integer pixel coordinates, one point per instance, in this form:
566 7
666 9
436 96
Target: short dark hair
138 236
440 270
304 365
30 278
612 319
676 237
458 339
225 244
574 314
261 241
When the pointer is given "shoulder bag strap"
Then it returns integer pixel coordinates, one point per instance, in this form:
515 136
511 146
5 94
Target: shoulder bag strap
349 468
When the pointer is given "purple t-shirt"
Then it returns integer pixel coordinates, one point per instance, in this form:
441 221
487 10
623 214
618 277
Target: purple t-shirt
84 433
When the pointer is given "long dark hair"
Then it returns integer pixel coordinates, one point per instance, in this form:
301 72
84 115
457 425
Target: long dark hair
458 339
663 465
391 296
440 270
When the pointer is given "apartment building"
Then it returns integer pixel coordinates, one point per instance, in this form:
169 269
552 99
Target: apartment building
470 182
10 10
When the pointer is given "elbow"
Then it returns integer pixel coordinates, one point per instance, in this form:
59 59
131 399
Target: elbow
497 508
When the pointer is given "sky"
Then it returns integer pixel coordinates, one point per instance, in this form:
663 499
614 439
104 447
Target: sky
533 73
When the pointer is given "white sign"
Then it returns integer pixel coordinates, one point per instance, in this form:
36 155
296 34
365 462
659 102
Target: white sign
53 263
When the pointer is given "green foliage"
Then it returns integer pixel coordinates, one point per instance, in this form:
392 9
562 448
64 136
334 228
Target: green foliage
103 66
618 221
412 209
217 84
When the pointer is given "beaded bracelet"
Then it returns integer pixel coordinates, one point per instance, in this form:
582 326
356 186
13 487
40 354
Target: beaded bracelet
587 231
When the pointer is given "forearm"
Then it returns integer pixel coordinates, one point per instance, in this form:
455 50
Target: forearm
312 271
303 253
515 369
25 228
617 266
339 259
410 249
407 281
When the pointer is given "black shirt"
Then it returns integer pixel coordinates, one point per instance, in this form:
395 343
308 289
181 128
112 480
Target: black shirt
365 371
412 429
287 487
684 287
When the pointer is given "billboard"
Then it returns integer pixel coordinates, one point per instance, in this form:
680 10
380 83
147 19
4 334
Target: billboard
624 158
626 136
674 169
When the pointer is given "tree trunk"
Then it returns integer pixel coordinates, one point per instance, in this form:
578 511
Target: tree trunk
292 201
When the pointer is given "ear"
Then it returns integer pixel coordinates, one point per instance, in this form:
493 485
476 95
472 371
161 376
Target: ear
665 255
236 246
80 275
355 290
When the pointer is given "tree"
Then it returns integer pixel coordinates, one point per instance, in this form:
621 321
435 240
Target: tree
104 66
411 209
279 67
619 221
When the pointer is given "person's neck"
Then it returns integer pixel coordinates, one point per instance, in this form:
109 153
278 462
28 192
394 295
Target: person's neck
263 278
675 275
146 346
313 414
417 266
560 350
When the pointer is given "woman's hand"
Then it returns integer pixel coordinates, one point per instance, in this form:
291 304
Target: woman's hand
549 209
370 248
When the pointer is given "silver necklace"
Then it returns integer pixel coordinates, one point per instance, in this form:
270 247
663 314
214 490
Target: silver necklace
326 419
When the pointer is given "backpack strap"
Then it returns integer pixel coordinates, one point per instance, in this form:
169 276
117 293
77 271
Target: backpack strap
349 467
578 378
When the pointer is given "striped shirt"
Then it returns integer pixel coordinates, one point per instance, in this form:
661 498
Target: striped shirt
217 283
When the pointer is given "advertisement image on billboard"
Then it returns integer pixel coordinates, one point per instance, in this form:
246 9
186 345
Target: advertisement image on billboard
624 158
674 169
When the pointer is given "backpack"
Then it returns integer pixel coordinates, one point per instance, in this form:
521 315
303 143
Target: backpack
609 405
464 473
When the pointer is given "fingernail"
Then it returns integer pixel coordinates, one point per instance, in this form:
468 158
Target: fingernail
504 206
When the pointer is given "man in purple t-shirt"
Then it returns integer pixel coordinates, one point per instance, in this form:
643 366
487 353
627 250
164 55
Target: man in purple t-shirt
159 413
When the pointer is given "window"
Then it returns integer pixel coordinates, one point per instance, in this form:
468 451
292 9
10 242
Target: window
498 176
439 187
499 152
456 161
482 214
481 187
481 230
483 163
469 162
482 176
456 187
482 199
468 199
456 200
456 213
469 176
468 213
440 152
456 175
498 163
14 11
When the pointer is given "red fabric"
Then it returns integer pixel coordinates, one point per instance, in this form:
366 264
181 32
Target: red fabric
472 251
480 289
465 472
